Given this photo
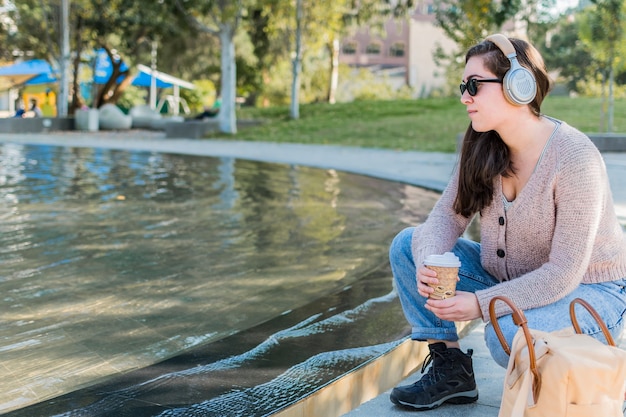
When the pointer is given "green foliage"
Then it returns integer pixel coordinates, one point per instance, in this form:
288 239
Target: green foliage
362 84
204 95
133 96
265 42
315 77
601 30
37 29
594 86
468 22
276 85
567 54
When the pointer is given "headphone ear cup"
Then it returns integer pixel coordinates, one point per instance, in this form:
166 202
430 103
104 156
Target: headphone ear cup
520 86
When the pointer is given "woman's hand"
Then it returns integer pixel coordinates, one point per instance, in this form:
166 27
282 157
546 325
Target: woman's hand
462 307
426 276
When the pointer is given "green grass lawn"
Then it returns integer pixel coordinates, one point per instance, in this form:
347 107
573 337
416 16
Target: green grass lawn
423 125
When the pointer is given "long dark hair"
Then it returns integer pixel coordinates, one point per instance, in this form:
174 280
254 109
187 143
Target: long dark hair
484 155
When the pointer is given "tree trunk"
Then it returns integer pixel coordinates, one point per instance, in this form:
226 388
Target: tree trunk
334 70
611 103
297 65
603 105
227 116
77 99
63 99
111 91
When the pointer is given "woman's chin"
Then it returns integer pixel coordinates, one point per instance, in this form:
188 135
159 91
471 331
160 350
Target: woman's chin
480 128
477 128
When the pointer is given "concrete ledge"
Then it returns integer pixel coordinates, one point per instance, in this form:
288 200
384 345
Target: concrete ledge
366 382
605 142
35 124
196 129
191 129
609 142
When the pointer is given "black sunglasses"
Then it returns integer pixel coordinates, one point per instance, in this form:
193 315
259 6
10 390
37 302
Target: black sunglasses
472 85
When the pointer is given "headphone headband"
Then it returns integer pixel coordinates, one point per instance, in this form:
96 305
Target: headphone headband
519 84
503 43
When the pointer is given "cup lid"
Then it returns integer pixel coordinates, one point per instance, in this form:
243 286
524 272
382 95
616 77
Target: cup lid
447 259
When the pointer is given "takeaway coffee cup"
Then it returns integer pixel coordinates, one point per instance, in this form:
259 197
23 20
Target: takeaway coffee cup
447 268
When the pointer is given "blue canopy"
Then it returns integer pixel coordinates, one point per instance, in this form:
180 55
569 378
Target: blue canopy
45 78
144 79
104 67
163 80
24 72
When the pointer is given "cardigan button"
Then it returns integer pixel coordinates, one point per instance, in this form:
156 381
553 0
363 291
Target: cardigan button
501 221
500 253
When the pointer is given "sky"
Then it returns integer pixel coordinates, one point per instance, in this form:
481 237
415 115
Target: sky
563 5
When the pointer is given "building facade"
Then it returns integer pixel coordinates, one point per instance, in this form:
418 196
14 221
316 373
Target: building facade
404 54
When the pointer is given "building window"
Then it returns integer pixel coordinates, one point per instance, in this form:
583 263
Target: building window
373 49
349 48
427 9
397 49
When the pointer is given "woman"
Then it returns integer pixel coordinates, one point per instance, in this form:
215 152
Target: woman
549 232
34 108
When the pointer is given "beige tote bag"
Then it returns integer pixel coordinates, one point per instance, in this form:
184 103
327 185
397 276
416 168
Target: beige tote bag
565 374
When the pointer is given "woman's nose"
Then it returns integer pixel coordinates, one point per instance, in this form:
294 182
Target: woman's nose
465 97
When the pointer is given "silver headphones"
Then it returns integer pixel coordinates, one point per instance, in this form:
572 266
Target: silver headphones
519 84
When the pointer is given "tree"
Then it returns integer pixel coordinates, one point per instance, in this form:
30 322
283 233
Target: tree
35 18
344 16
602 30
566 53
220 18
7 32
321 24
467 22
297 64
125 27
119 26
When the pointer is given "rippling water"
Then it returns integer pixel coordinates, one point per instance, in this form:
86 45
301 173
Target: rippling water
113 260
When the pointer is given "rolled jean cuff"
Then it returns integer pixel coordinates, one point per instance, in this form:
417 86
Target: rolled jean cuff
421 334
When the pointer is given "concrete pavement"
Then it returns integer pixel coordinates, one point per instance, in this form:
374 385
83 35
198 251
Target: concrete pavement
428 170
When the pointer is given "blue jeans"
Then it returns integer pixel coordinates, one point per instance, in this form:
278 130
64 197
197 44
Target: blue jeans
608 299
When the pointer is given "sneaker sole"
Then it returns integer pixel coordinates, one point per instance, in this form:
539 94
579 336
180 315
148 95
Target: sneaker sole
465 397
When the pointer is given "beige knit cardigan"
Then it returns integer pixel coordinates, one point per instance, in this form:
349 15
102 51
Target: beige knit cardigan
561 229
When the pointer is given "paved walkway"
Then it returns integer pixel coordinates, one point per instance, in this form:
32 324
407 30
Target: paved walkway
429 170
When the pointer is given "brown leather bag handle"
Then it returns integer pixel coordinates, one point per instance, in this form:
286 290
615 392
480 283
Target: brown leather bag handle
520 320
594 314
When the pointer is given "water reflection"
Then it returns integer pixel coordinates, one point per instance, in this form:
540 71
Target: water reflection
113 260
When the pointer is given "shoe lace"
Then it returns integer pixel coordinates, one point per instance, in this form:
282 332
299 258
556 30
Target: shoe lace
429 358
434 373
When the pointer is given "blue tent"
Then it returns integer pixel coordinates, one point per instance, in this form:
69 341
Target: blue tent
163 80
35 70
144 79
45 78
104 68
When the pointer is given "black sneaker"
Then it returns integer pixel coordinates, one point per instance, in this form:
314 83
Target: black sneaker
450 379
